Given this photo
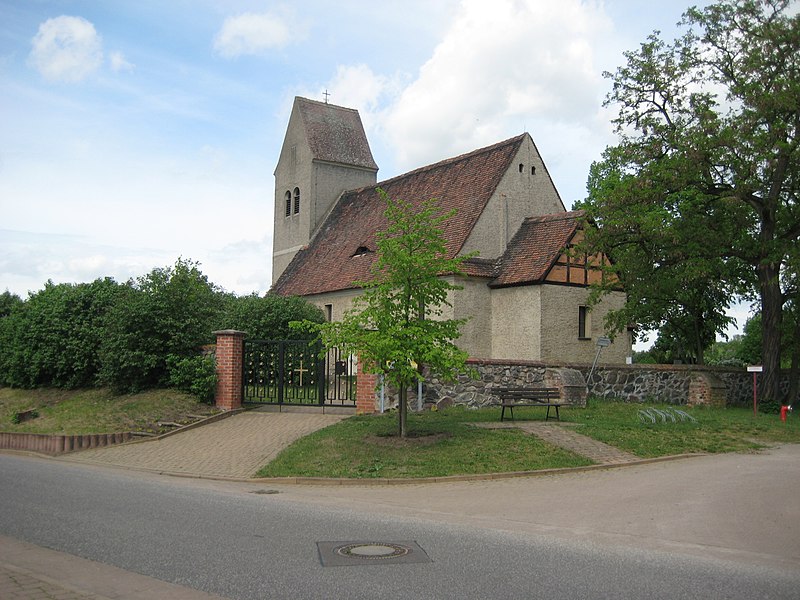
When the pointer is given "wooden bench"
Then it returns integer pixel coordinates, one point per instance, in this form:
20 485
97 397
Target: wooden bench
511 397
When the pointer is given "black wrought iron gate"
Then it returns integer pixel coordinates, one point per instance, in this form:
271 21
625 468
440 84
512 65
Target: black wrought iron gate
291 372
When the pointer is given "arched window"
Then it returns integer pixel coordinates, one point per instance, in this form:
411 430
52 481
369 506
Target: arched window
288 198
296 200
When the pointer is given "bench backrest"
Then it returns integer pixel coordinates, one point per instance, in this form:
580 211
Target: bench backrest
519 393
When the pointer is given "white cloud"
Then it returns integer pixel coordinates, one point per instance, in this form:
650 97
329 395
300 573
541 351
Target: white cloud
66 49
500 67
118 63
252 34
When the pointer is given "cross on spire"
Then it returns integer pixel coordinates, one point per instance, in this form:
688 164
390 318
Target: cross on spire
326 94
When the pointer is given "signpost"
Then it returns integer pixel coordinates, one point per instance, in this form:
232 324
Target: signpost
602 342
755 370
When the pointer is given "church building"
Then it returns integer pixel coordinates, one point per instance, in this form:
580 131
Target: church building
525 294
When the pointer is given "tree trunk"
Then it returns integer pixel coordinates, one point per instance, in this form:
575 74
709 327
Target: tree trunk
771 311
402 409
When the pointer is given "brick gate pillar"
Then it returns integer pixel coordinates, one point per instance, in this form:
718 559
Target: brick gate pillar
230 355
366 383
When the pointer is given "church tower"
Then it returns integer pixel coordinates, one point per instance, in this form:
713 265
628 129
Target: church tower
325 152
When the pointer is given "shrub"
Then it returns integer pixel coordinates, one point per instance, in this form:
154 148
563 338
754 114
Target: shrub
169 311
53 338
195 375
268 317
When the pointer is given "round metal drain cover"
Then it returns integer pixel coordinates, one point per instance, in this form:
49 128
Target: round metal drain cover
372 551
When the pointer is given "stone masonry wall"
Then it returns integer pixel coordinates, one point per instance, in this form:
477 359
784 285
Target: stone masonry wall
630 383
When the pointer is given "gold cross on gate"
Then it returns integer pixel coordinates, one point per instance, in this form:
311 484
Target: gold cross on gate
301 370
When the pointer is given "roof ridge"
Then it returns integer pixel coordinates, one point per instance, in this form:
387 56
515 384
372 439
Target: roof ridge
559 216
456 159
328 104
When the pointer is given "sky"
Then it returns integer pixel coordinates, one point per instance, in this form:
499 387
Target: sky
137 132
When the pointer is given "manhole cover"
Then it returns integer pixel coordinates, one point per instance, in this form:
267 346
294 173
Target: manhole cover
372 550
339 554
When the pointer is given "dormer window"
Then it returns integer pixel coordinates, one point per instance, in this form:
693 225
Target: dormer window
296 200
361 251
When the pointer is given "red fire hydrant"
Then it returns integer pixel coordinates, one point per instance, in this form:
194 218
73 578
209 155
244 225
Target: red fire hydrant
784 410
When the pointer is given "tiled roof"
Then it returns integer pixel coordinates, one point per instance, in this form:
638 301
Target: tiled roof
335 134
535 247
332 261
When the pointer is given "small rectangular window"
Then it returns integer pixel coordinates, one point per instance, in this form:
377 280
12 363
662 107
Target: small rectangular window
329 312
583 323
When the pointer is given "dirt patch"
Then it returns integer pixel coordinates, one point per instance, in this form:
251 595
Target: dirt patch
414 439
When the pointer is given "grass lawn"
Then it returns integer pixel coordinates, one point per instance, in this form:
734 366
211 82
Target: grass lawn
439 444
447 443
716 430
96 410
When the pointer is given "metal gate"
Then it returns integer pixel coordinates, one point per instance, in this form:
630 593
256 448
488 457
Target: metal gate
291 372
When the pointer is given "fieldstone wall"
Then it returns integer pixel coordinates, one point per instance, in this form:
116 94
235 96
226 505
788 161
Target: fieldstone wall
630 383
477 392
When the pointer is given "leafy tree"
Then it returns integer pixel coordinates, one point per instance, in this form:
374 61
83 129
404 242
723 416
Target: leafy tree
397 324
54 336
169 311
670 285
8 302
726 353
10 326
710 124
268 317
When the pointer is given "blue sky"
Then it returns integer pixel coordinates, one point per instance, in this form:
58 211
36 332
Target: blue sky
136 132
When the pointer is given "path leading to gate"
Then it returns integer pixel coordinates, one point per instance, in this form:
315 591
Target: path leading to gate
235 447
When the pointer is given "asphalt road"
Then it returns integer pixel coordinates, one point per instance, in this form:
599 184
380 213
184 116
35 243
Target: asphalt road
228 540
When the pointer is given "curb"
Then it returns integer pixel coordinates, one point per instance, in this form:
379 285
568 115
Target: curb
353 482
463 478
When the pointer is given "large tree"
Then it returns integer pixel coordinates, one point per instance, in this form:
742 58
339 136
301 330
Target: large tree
397 325
713 119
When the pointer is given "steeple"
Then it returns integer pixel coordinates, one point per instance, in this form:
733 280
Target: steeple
325 152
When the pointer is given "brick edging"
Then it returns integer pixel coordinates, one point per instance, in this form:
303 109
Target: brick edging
53 444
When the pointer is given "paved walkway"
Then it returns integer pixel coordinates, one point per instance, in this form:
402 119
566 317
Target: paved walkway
235 447
563 437
29 572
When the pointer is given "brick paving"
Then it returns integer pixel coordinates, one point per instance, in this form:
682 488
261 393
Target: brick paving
18 584
234 447
563 437
30 572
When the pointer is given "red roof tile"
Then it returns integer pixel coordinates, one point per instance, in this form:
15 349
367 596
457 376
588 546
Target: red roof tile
332 261
534 248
